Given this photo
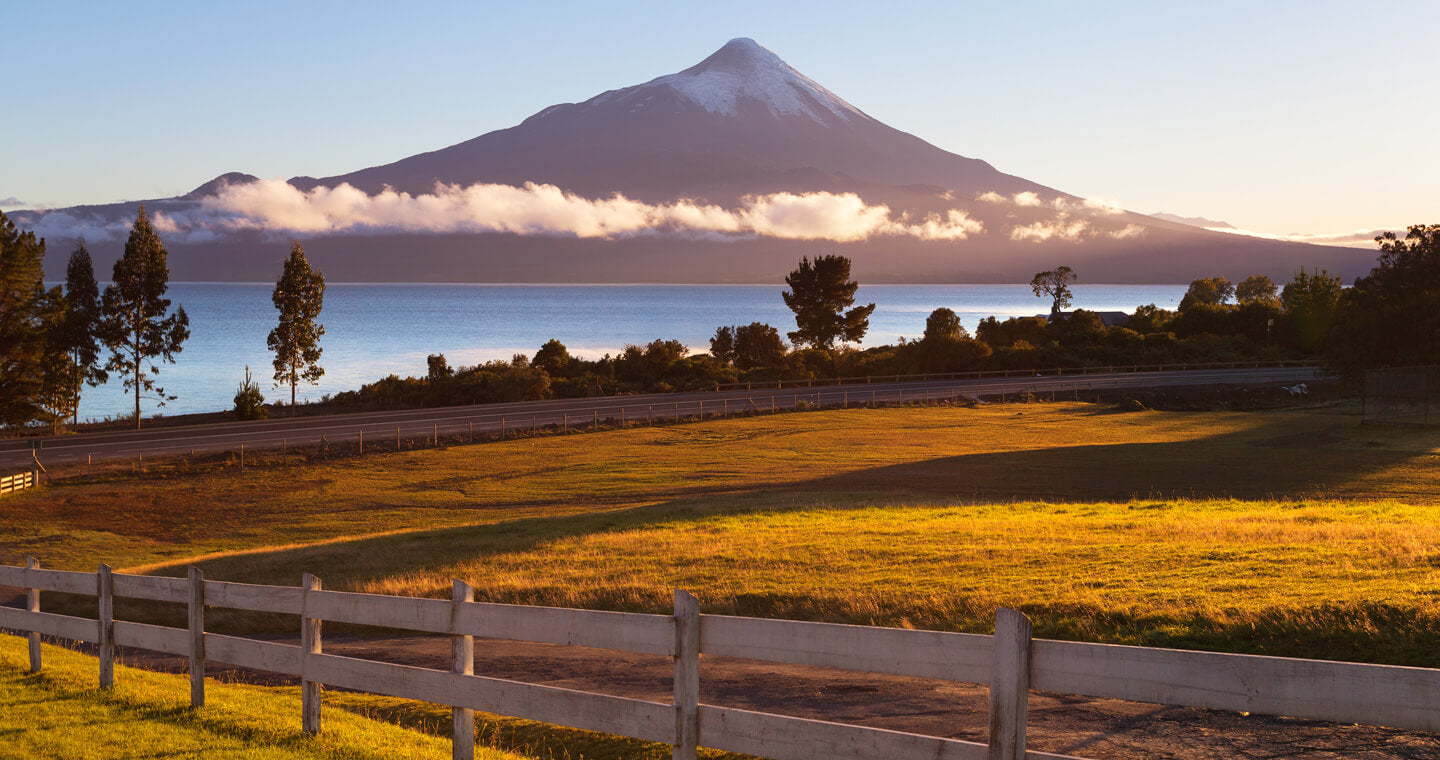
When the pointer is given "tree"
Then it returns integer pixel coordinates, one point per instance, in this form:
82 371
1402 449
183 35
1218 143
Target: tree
943 326
249 402
436 368
722 346
1054 283
299 295
22 327
1149 319
749 346
1311 301
1257 289
758 345
820 294
79 337
136 323
554 358
1389 317
1214 291
59 379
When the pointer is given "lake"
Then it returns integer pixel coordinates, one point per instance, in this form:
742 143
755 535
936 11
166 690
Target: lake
372 330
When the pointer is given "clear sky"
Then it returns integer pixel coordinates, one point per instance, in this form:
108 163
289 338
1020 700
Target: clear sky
1309 117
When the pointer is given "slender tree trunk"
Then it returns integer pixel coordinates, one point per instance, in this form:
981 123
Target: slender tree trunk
292 391
137 388
79 385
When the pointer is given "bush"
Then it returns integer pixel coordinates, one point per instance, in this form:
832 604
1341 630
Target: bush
249 402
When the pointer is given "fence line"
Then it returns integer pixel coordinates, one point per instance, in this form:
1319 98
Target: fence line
981 374
18 482
1402 396
1010 662
462 429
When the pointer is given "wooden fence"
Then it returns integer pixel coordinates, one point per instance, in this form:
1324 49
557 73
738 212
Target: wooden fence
1010 662
17 482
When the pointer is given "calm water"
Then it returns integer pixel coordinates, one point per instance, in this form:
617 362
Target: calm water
374 330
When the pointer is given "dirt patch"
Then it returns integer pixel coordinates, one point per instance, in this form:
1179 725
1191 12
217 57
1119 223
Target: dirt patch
1105 729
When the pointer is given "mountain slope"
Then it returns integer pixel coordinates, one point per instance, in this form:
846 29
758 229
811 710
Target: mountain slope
729 170
741 121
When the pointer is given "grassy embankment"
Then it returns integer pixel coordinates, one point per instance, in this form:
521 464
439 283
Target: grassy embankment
1289 532
148 715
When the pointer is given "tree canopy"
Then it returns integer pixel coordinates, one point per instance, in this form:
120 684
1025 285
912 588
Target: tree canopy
299 295
79 332
821 294
943 326
136 323
1390 316
1211 291
1055 283
22 325
1257 289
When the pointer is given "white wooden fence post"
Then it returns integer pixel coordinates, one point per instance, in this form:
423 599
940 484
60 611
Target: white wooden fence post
32 603
462 660
310 642
687 676
105 591
197 637
1009 685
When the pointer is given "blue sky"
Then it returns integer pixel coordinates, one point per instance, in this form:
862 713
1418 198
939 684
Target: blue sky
1308 117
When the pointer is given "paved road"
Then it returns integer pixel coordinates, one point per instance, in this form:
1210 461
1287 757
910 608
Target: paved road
380 430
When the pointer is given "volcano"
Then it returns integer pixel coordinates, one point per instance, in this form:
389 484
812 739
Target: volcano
728 171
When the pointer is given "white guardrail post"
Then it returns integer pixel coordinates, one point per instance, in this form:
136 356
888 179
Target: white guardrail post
687 676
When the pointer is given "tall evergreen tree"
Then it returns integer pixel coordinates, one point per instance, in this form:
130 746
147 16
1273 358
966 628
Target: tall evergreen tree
79 331
59 379
820 294
22 328
136 323
299 295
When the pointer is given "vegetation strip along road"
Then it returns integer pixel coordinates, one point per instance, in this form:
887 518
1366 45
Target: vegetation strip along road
383 427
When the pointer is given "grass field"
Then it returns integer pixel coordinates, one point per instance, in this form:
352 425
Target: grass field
1288 532
60 714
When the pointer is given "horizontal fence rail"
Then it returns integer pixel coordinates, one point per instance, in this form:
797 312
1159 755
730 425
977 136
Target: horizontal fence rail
17 482
1009 662
406 430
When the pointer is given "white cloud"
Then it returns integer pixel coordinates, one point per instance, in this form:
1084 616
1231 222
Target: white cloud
1355 239
10 201
1062 227
1031 199
1104 206
535 209
1127 232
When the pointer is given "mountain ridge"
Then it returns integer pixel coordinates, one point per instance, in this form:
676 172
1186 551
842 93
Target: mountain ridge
734 168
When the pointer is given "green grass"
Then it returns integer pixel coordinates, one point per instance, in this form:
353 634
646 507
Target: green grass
60 713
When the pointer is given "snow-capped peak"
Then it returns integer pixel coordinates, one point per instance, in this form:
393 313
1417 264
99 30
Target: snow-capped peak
743 70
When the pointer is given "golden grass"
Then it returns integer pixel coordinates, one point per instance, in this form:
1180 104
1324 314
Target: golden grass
1293 532
60 713
1053 452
